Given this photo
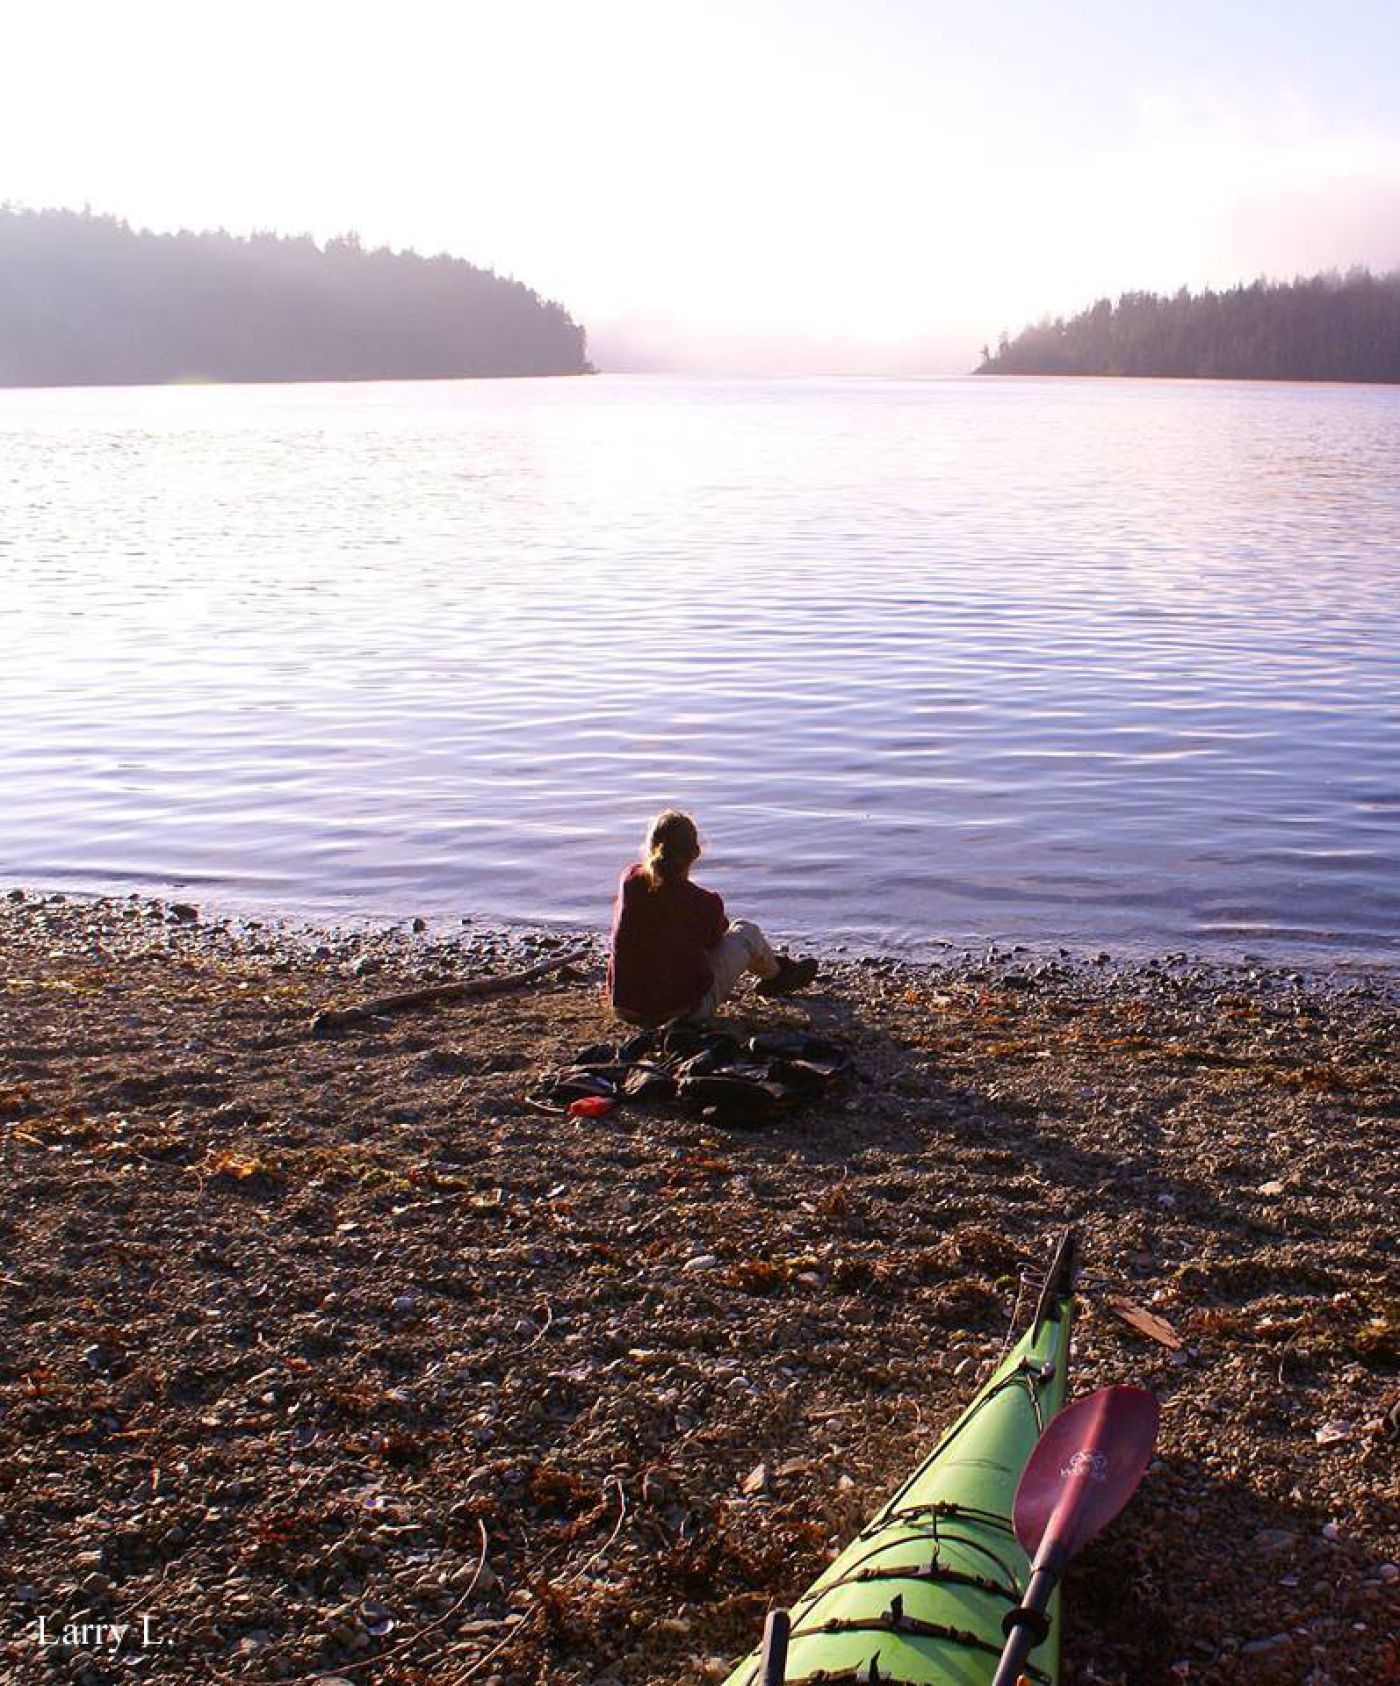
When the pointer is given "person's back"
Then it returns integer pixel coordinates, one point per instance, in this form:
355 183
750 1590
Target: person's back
661 937
674 953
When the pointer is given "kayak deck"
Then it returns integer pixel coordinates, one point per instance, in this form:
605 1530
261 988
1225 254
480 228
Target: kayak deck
919 1595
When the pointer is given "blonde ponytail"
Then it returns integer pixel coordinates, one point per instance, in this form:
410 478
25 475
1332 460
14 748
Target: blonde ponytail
672 846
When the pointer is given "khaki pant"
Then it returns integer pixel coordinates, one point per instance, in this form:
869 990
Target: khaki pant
742 948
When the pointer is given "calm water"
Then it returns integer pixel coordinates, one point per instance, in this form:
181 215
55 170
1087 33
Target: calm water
1102 664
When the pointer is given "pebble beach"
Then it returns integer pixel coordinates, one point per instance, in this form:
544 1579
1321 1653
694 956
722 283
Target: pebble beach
337 1359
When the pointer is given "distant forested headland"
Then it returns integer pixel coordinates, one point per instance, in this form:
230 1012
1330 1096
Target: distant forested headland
89 301
1326 328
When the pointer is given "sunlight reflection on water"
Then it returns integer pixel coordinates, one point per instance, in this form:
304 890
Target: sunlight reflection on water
1078 662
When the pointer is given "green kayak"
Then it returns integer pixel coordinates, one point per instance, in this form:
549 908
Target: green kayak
919 1595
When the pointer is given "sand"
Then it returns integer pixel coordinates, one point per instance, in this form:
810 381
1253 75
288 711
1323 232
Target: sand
335 1359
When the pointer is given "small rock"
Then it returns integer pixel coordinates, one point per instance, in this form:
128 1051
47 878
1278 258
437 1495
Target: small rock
1266 1647
701 1261
1271 1541
756 1481
462 1578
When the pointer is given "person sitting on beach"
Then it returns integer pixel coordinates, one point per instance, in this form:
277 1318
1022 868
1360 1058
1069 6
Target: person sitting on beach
674 953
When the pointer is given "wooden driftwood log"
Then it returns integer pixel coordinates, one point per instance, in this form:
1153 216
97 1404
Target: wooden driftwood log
335 1019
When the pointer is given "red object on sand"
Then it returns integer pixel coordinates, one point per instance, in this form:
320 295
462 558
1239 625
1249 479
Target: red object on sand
591 1106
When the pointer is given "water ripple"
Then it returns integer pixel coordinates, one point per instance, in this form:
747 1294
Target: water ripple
1075 662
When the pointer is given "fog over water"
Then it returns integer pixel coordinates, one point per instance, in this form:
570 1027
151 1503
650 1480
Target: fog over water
1086 663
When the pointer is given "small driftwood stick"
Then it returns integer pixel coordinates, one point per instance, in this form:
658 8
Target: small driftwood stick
336 1019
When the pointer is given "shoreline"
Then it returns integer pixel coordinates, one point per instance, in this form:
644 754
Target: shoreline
335 1355
442 936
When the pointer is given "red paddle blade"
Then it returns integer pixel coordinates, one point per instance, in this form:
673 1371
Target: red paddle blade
1085 1468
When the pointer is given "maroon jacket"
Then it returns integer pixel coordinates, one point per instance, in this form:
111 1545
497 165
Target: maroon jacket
659 966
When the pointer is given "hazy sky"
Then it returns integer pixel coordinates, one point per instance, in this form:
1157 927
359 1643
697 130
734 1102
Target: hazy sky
861 185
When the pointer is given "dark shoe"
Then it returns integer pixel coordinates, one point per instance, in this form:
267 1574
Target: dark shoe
792 975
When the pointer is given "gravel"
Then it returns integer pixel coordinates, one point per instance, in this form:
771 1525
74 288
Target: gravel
335 1358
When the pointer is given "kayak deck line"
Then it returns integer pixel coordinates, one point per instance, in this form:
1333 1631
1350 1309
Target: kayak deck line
863 1677
918 1595
916 1531
932 1568
895 1621
930 1571
938 1510
870 1674
854 1677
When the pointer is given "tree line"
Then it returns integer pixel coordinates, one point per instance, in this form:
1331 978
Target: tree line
88 300
1321 328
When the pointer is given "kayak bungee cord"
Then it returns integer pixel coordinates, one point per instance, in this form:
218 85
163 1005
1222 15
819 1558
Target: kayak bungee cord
934 1537
933 1570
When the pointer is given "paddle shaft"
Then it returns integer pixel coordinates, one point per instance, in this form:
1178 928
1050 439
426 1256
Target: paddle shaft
1026 1626
772 1666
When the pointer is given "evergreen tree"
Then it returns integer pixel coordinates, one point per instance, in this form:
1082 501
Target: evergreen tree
87 300
1323 328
